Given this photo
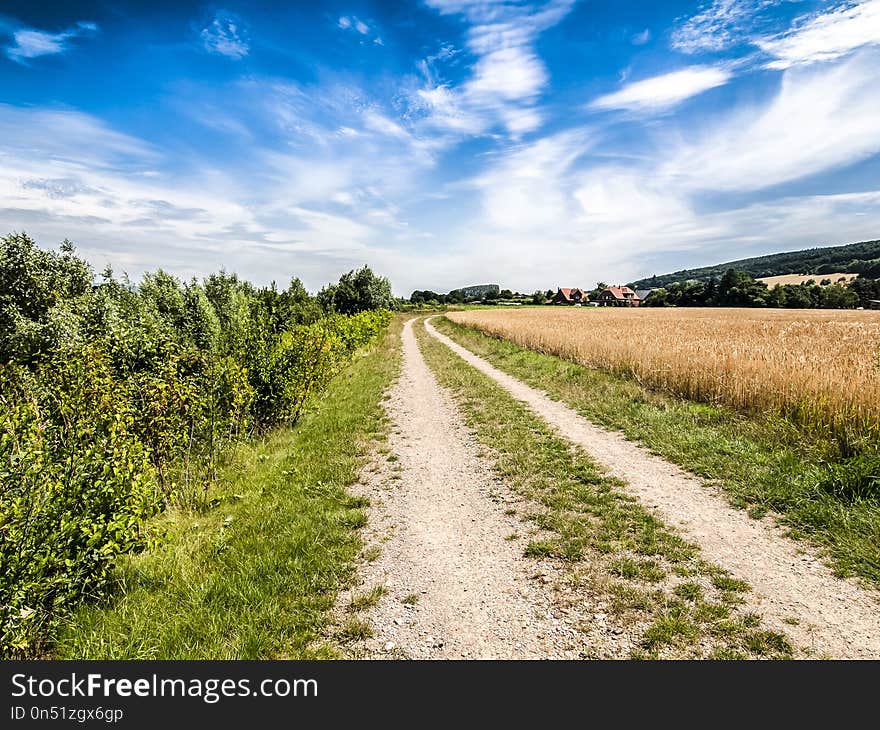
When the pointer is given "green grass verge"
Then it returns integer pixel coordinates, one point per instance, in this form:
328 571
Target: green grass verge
650 577
256 576
763 463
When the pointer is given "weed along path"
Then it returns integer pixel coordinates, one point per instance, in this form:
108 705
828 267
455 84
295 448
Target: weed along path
450 580
792 589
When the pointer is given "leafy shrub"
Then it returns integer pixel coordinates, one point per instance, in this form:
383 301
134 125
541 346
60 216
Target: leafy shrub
76 485
117 400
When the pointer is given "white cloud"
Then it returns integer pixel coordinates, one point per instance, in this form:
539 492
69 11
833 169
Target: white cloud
68 137
823 117
825 36
421 150
448 111
32 43
619 196
663 92
820 36
719 25
521 120
355 24
226 35
527 190
508 76
382 124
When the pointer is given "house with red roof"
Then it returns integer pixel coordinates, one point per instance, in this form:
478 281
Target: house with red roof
570 296
618 296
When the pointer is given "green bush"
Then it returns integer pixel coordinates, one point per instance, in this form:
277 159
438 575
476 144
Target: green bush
117 400
77 486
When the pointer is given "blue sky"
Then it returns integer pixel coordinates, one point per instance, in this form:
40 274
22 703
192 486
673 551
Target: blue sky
443 142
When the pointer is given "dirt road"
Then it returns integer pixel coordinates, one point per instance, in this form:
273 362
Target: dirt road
458 584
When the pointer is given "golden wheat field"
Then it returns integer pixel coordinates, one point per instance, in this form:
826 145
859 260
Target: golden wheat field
817 366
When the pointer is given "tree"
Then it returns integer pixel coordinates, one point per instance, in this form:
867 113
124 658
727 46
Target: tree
688 294
163 291
357 291
539 298
839 297
35 286
298 306
776 297
868 269
711 292
201 324
427 297
866 290
739 289
657 298
797 297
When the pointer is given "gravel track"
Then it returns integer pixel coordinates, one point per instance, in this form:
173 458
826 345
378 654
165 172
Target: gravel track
458 585
792 589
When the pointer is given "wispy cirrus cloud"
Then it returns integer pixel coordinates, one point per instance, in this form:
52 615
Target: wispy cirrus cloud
822 35
640 39
719 25
665 91
823 117
30 43
67 136
825 36
226 35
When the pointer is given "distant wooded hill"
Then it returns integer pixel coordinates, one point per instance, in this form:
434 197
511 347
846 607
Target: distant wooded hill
857 258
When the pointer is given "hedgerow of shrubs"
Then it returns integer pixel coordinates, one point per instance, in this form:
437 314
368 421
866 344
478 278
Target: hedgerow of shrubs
118 400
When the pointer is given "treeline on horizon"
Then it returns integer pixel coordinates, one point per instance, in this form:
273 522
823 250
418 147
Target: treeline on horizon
855 258
484 294
739 289
117 401
734 288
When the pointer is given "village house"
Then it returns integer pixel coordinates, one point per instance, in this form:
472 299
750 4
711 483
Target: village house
618 296
570 296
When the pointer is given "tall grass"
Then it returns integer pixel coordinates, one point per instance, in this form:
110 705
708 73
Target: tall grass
817 368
